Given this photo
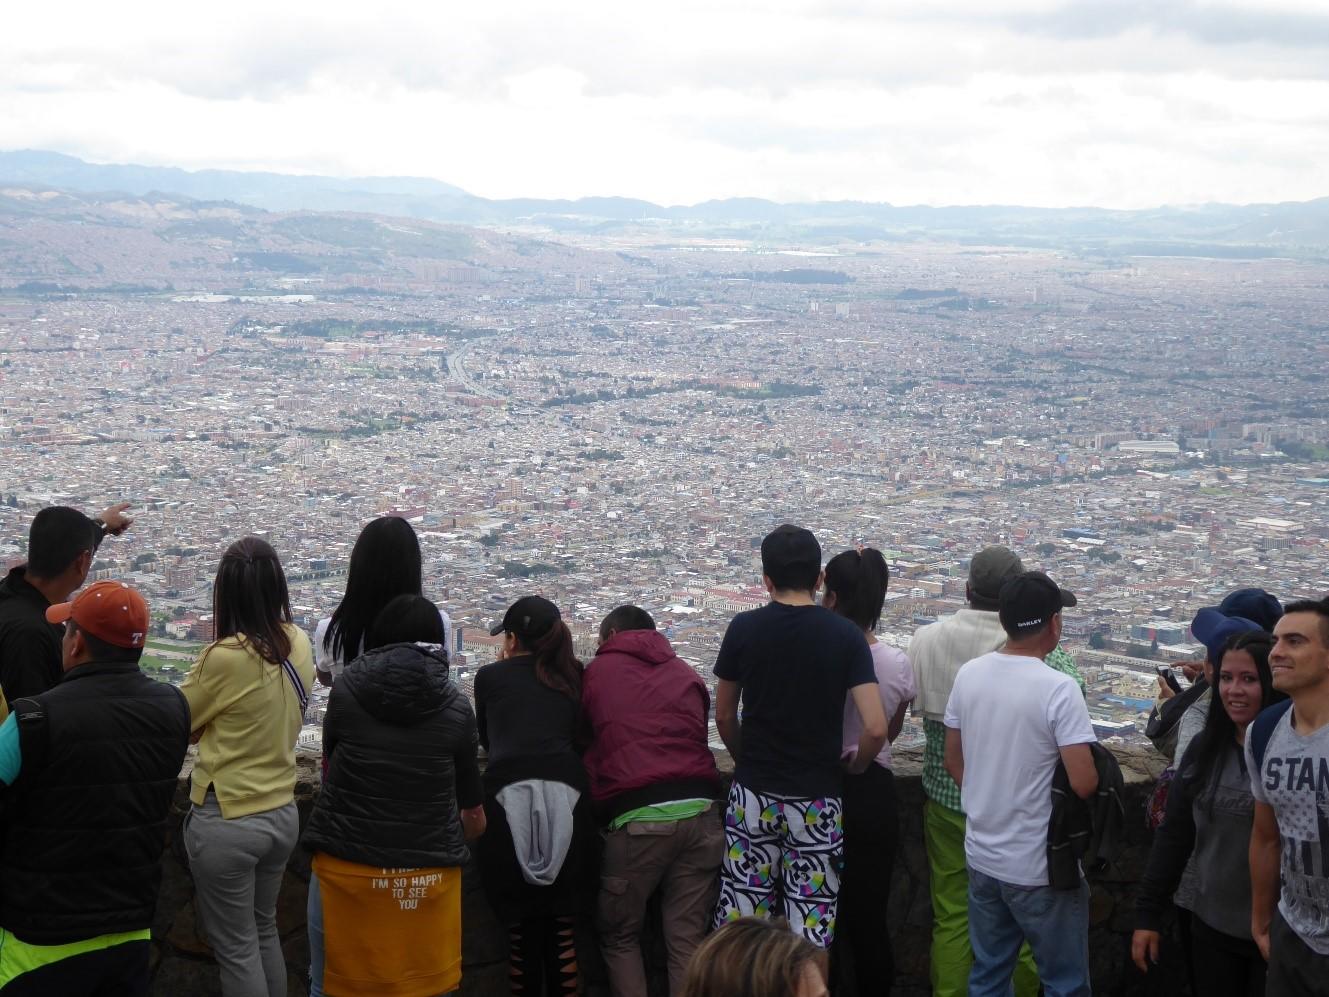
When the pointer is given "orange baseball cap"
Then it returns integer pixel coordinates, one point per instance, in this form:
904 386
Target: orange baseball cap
110 611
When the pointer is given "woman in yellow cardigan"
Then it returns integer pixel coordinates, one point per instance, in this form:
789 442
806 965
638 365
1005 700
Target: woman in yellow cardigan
247 695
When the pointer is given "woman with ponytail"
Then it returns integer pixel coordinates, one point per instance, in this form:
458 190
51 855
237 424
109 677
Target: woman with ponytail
536 857
855 583
247 695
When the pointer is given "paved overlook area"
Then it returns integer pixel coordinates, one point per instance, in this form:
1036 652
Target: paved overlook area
183 966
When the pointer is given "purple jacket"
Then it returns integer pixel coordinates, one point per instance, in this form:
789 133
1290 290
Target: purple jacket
648 713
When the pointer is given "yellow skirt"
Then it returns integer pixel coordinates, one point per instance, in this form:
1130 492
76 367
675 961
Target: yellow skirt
389 932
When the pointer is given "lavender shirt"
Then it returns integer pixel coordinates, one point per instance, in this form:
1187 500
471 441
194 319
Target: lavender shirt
895 685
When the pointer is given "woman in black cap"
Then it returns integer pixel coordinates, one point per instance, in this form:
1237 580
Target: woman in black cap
534 859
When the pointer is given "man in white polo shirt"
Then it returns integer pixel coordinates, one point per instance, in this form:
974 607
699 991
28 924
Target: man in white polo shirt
1010 719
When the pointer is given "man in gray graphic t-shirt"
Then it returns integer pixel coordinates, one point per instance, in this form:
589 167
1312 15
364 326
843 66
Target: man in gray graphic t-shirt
1290 782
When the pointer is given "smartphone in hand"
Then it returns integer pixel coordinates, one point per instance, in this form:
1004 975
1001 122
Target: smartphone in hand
1170 677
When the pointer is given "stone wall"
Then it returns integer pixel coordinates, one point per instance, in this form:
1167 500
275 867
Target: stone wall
183 966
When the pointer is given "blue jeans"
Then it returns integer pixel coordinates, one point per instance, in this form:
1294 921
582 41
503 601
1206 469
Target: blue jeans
314 928
1055 922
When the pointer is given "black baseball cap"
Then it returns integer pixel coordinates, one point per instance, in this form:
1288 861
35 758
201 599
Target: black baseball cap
530 618
1028 601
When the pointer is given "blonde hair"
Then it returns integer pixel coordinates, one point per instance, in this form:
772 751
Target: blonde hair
751 957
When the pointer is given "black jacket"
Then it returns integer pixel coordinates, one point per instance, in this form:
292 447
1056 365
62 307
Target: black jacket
1085 831
84 823
29 646
1165 721
401 742
529 730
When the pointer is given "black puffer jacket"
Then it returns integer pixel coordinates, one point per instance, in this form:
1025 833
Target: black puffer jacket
402 742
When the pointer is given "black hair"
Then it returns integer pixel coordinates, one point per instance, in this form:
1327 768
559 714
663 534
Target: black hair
555 663
791 559
103 650
625 618
250 599
1204 757
1320 607
385 563
57 536
407 619
859 579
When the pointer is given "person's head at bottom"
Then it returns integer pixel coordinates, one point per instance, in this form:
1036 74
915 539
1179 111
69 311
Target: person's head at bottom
753 957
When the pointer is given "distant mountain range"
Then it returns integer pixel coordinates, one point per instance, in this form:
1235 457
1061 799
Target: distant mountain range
61 240
1255 230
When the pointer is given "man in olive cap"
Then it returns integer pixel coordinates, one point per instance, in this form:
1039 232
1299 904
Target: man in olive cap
937 651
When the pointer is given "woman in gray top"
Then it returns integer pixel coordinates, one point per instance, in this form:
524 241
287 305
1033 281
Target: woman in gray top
1209 815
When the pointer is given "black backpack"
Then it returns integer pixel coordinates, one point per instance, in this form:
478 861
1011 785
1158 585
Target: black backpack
1085 832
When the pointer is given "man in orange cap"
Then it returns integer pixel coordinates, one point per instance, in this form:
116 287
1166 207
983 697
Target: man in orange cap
91 767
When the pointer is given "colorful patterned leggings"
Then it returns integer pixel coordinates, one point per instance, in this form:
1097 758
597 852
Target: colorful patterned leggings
782 859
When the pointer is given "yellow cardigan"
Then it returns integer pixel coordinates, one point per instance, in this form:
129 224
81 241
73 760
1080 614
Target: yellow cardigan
250 717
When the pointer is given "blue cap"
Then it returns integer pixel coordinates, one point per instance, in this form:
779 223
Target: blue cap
1213 629
1256 605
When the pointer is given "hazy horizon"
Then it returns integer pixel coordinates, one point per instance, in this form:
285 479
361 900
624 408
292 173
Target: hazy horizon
1036 103
629 196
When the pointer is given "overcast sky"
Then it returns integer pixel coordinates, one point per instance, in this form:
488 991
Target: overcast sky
1123 103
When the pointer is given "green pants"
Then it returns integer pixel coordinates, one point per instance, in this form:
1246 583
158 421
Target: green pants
943 832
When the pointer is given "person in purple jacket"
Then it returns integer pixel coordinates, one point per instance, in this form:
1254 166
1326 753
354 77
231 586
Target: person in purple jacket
655 786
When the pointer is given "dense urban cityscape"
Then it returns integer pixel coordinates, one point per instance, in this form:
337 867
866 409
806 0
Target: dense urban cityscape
621 418
698 499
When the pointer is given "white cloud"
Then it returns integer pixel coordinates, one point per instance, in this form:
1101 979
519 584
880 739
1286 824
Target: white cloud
955 101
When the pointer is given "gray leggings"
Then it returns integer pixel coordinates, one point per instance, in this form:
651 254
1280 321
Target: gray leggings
237 866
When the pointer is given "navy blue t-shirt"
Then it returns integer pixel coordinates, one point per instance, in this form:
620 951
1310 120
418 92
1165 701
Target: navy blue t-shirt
796 664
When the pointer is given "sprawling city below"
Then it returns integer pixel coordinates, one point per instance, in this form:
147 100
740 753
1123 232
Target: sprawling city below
620 418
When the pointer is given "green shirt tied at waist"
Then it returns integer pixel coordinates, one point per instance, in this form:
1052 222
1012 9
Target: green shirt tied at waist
657 813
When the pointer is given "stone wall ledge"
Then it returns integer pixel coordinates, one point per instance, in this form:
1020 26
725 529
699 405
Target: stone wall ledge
183 966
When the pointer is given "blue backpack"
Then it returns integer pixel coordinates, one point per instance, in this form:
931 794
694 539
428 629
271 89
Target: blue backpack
1262 729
